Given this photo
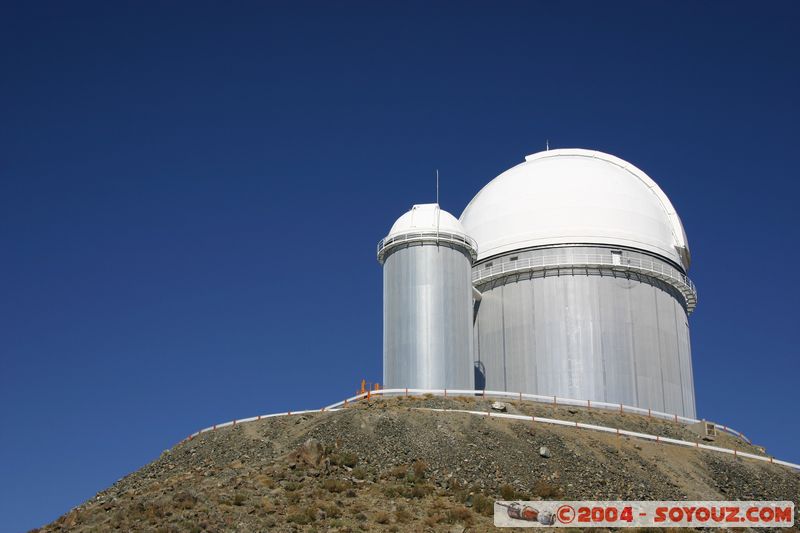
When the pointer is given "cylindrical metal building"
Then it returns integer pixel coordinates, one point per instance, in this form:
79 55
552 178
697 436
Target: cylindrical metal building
427 301
582 267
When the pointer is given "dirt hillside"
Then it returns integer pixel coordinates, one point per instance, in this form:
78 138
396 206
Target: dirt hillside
390 465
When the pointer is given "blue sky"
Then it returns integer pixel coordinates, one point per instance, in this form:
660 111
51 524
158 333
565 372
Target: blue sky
191 194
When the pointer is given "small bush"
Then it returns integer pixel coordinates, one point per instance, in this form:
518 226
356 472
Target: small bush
359 472
382 517
335 485
482 505
459 514
267 505
348 459
420 491
333 511
543 489
392 491
434 519
402 515
438 504
398 472
507 492
291 486
300 517
265 481
184 500
419 467
239 499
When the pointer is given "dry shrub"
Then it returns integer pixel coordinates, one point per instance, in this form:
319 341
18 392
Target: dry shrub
482 505
265 481
267 505
393 491
420 491
419 467
439 503
302 515
335 485
348 459
184 500
507 492
359 472
543 489
402 515
459 514
333 511
432 520
382 517
398 472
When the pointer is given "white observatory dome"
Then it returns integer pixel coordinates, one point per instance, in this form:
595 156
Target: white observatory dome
574 196
426 217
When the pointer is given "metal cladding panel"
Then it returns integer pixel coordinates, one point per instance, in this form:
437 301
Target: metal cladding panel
427 313
587 335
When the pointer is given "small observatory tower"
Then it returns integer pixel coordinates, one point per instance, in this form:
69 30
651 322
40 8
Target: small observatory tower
582 268
427 301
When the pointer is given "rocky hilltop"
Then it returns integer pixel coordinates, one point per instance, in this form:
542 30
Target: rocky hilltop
392 465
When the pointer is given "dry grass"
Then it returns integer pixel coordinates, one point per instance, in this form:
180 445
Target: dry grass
419 468
420 491
543 489
397 472
335 485
348 459
507 492
402 515
267 506
482 505
459 514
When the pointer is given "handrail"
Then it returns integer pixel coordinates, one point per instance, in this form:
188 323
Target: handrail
540 398
431 236
550 399
648 267
618 432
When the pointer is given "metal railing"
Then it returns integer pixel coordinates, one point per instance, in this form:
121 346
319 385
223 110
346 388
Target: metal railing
555 401
431 236
647 267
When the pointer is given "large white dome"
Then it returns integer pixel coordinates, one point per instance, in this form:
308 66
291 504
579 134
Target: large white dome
574 196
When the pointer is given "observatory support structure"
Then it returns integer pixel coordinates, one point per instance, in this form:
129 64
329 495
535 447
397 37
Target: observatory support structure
427 303
586 322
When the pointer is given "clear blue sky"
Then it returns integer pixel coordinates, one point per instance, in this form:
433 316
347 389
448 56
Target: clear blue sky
191 194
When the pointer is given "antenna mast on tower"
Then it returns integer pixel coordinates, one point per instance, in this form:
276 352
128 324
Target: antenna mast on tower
437 186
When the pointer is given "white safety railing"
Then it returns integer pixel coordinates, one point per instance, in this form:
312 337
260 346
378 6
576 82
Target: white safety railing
431 236
253 419
539 398
648 267
534 419
619 432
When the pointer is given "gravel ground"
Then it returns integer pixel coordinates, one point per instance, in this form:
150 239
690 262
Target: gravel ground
388 466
